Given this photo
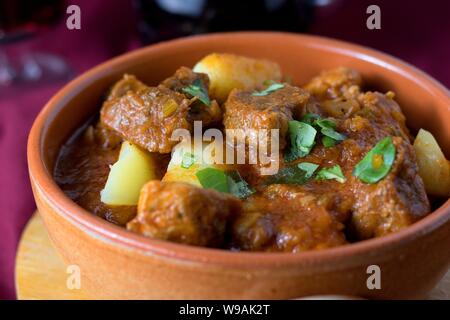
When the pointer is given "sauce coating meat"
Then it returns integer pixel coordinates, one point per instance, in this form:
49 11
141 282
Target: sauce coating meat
286 218
184 213
246 111
147 116
317 200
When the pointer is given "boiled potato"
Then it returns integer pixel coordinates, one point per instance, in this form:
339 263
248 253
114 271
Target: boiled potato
228 71
186 161
132 170
434 168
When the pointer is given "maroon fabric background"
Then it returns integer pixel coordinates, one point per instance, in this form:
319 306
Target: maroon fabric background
415 31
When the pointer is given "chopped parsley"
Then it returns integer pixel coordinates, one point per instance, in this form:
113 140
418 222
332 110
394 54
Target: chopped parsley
328 142
377 162
229 182
211 178
273 87
302 137
197 89
238 186
308 167
333 173
309 118
295 174
327 128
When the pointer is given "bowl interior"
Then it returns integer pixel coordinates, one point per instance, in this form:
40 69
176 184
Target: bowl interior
424 101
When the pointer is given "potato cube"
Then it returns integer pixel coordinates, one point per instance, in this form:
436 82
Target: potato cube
228 71
434 168
133 169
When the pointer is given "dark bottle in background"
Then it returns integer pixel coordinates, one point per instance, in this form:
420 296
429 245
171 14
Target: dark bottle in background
167 19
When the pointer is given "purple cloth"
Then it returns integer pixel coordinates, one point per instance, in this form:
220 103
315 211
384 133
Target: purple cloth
106 30
417 33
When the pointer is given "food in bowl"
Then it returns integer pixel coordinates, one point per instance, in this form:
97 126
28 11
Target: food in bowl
346 168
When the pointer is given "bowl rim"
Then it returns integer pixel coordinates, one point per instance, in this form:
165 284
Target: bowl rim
101 229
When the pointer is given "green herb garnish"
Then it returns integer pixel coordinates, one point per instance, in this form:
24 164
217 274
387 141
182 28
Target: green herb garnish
188 160
295 174
197 89
328 142
327 128
308 167
230 182
309 118
377 162
238 186
331 173
302 137
211 178
273 87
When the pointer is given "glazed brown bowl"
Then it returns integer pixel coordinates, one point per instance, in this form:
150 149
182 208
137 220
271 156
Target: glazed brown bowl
115 263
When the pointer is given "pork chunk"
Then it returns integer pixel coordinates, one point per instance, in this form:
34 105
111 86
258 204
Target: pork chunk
285 218
395 202
127 83
148 117
184 77
245 111
335 83
399 199
183 213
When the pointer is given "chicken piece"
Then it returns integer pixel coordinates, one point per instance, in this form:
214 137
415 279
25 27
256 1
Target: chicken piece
335 83
183 213
251 113
183 78
286 218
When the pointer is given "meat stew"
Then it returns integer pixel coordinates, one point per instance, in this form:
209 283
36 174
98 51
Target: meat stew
346 166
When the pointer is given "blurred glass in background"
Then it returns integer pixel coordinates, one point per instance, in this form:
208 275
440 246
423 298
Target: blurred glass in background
20 20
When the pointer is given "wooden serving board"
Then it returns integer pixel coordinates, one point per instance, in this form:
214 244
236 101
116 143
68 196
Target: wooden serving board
41 274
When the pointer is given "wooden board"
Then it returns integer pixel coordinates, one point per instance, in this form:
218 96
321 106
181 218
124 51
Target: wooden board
41 274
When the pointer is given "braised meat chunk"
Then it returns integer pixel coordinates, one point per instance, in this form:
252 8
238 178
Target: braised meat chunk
148 117
335 83
124 85
396 202
286 218
183 213
251 111
183 79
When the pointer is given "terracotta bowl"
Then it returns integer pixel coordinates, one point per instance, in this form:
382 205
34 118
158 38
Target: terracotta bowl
117 264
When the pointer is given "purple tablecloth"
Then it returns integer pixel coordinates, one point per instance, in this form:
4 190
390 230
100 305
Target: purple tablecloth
418 33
